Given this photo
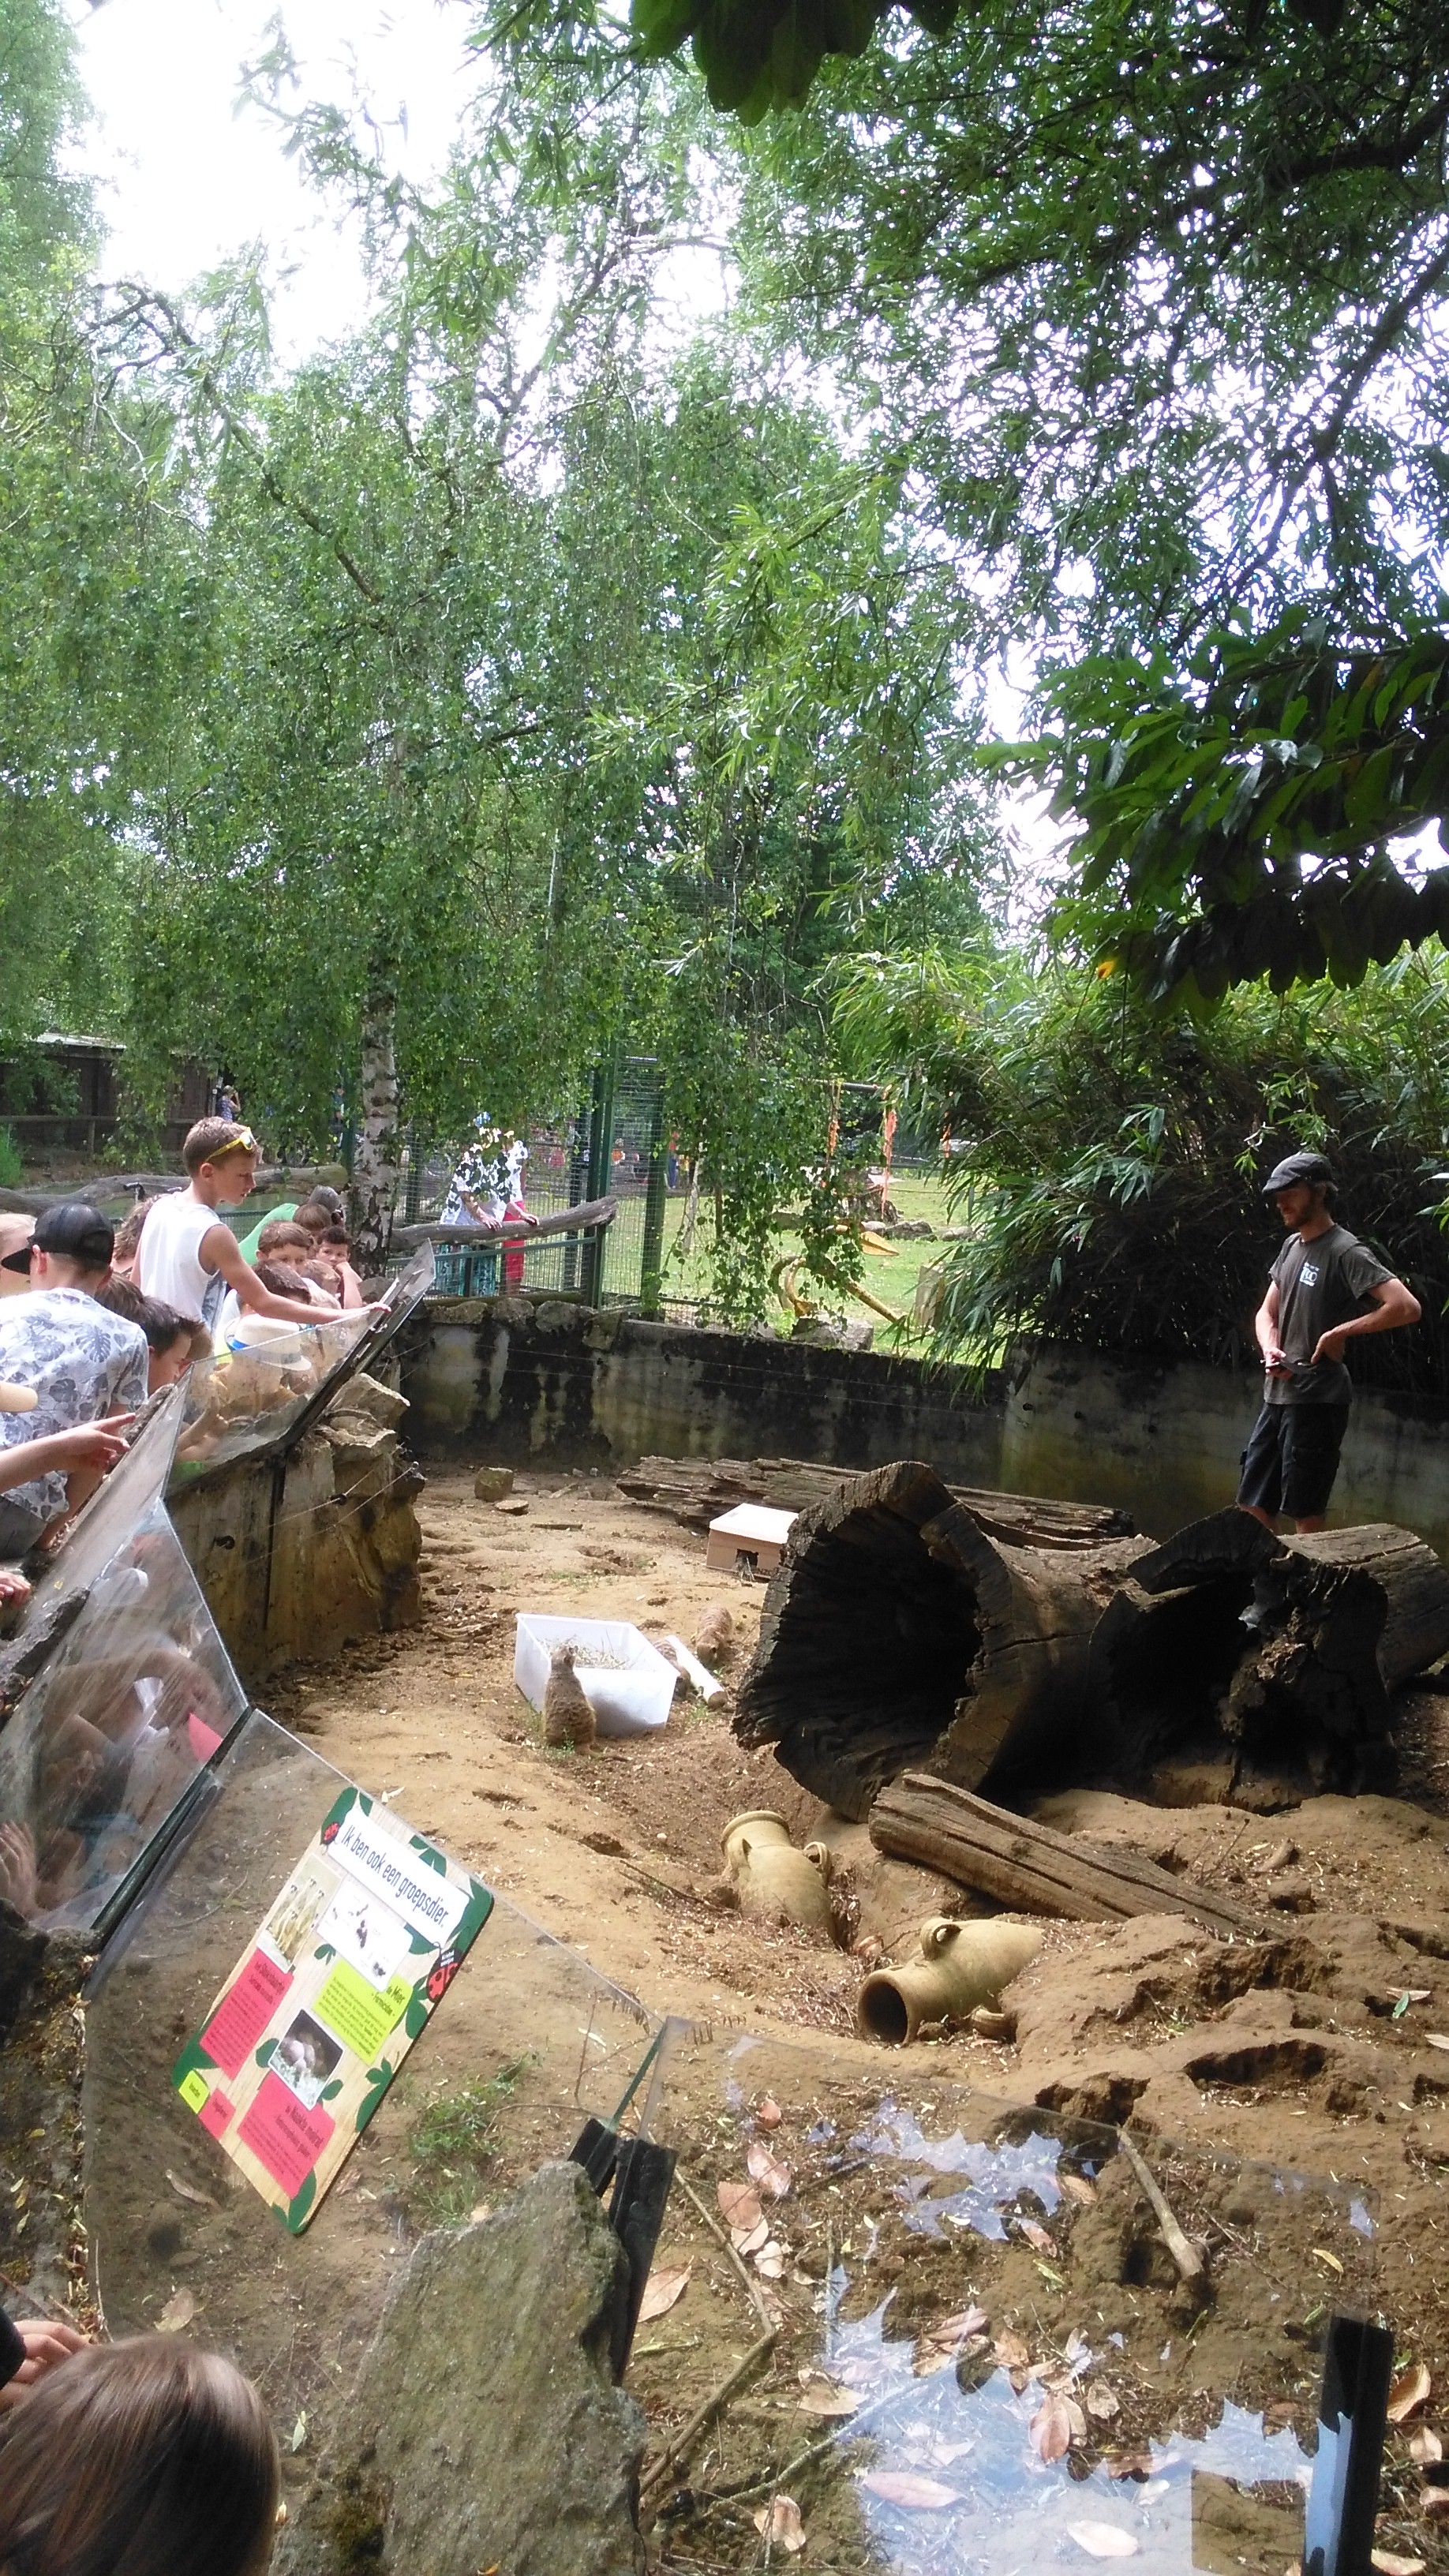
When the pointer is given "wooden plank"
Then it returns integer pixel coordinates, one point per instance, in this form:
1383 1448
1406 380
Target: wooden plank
1032 1868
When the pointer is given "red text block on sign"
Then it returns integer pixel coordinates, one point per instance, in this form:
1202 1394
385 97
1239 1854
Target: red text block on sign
284 2136
242 2016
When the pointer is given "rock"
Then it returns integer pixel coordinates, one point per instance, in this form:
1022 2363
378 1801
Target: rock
382 1404
21 1951
491 1484
485 2428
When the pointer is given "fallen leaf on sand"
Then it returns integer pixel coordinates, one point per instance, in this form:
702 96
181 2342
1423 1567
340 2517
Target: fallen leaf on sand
1010 2351
1330 2262
1077 2187
184 2191
1435 2503
1437 2038
748 2240
1130 2464
826 2397
1410 2391
1050 2430
179 2310
480 2210
779 2523
938 2347
770 2260
1389 2564
1101 2401
904 2486
1103 2539
769 2113
739 2206
661 2291
1425 2446
767 2170
1037 2236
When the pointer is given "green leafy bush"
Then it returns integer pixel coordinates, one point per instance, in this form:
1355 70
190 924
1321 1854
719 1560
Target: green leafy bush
1107 1159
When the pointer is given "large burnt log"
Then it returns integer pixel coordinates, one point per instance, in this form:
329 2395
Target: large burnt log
901 1631
1266 1665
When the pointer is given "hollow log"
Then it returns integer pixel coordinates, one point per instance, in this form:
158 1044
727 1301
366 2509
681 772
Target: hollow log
1269 1661
1030 1867
899 1631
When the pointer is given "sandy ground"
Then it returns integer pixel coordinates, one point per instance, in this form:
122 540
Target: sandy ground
1296 2052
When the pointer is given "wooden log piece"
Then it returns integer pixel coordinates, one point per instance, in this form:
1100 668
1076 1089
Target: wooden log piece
697 1490
897 1632
1271 1659
1031 1868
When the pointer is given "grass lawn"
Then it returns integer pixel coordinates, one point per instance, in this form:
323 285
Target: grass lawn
889 1277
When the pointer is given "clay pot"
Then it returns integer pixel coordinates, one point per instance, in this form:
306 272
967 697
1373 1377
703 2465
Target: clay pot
773 1878
961 1965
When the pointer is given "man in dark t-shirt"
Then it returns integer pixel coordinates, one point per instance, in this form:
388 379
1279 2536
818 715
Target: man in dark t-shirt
1325 1288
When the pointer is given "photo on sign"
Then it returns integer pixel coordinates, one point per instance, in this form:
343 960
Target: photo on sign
293 1919
307 2057
346 1968
366 1933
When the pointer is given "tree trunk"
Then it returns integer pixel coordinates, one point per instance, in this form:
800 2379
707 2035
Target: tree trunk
377 1163
1029 1866
697 1490
1294 1698
899 1632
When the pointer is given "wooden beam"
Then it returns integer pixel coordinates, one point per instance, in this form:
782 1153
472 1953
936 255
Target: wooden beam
1031 1868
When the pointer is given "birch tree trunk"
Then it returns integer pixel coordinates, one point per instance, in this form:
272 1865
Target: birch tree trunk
377 1162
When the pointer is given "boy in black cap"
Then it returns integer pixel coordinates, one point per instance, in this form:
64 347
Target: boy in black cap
1326 1287
84 1363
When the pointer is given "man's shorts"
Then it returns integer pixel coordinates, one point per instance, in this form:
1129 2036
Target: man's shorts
1291 1459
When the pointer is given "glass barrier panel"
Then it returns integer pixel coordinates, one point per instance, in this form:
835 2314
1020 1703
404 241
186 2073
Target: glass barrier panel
526 2044
136 1696
114 1512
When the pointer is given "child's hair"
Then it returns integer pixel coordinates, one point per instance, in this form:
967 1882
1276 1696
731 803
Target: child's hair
324 1274
128 1232
338 1236
144 2458
210 1138
315 1216
281 1233
281 1278
161 1324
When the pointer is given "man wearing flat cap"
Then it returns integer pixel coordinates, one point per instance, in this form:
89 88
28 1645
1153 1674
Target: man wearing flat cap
83 1363
1325 1288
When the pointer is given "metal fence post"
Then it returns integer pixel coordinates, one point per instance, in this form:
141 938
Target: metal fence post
601 1123
651 1276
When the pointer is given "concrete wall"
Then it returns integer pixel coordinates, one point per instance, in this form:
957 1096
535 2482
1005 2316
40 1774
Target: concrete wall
514 1379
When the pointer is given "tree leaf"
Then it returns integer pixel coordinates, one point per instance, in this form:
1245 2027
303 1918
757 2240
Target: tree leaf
739 2206
1050 2430
1411 2390
779 2523
1103 2539
662 2291
772 2176
906 2487
1425 2446
178 2312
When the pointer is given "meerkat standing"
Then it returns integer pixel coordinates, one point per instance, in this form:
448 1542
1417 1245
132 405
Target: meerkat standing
567 1715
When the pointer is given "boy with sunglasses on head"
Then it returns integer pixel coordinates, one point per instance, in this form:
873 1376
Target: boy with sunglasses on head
188 1257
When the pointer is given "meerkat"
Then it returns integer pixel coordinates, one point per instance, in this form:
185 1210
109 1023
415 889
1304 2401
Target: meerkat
714 1640
567 1715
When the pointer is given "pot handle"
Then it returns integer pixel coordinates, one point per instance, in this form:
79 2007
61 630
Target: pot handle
938 1934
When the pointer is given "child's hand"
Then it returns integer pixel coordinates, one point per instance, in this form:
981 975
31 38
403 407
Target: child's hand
46 2341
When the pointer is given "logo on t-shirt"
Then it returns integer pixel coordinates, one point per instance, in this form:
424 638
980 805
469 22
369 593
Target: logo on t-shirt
1308 1275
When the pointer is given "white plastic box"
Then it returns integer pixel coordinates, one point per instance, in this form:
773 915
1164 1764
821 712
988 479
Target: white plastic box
629 1693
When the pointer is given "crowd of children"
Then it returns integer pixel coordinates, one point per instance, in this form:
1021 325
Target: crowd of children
181 2469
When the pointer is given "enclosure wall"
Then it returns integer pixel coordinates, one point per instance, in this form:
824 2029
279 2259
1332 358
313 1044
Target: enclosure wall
506 1380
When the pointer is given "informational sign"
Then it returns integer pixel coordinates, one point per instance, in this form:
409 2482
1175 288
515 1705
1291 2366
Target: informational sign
318 2014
